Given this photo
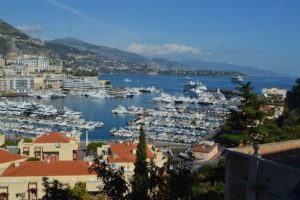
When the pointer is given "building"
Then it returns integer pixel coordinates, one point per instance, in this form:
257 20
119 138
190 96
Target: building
2 62
51 146
19 84
26 177
35 63
6 158
205 150
124 154
15 70
85 83
274 99
2 140
53 81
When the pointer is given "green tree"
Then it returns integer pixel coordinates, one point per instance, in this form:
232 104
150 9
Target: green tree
293 96
92 147
114 184
242 125
140 182
180 181
79 192
55 190
158 182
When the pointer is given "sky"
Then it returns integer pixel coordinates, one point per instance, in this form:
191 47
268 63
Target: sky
259 33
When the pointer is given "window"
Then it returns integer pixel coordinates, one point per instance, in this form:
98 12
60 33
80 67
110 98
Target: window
32 191
3 192
26 151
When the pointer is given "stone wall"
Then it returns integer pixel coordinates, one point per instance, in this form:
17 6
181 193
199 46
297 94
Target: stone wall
252 177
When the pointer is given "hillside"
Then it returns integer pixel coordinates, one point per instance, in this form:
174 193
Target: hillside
76 53
205 65
107 52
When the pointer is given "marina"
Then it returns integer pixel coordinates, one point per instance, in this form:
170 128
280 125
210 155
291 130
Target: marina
180 118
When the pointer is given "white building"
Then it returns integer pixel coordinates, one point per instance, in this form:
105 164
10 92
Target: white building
81 84
36 63
19 84
274 92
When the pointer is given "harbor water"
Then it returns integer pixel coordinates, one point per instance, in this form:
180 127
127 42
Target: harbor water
100 109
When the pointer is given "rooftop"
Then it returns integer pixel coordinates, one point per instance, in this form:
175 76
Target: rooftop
125 152
6 156
45 168
53 137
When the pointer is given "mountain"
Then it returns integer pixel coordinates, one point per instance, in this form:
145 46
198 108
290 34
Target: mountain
168 64
107 52
207 65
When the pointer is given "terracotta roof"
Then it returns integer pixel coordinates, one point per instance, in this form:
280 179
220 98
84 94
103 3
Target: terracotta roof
44 168
203 148
52 138
124 152
6 156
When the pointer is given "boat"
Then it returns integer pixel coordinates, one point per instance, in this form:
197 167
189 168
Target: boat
237 79
119 110
127 80
57 95
194 89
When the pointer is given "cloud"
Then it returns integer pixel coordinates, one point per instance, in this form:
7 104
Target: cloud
71 10
165 50
31 29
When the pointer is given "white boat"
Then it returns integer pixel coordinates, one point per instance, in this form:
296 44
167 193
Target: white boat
119 110
237 79
127 80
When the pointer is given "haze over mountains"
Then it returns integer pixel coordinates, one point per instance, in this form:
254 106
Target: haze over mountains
79 53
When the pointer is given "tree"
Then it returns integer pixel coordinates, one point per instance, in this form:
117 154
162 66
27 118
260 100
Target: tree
139 182
114 184
180 181
92 147
79 192
242 125
55 190
293 96
158 182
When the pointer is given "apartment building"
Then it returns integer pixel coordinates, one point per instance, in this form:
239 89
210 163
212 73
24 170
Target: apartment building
26 177
124 154
51 146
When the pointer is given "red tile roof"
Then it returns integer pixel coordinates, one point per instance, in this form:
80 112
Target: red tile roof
44 168
6 156
52 138
123 152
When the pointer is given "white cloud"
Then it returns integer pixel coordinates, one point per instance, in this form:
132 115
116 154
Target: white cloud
30 28
165 50
71 10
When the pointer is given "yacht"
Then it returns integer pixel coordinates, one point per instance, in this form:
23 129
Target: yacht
119 110
237 79
194 89
127 80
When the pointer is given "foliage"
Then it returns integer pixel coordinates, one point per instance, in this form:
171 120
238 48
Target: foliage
180 181
158 182
28 140
32 159
139 182
79 192
293 96
92 147
209 182
55 190
114 184
242 125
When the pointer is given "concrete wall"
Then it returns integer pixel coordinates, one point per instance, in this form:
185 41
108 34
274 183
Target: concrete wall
251 177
